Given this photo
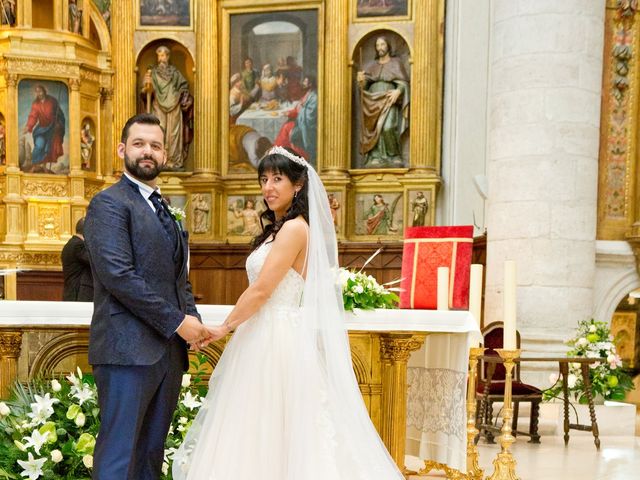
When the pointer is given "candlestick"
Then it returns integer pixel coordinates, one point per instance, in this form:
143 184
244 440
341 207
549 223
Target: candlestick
443 288
504 463
474 472
475 296
509 306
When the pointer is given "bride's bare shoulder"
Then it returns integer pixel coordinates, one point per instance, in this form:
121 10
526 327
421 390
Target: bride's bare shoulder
295 227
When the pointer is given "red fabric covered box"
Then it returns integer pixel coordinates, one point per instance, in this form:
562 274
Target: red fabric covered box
426 249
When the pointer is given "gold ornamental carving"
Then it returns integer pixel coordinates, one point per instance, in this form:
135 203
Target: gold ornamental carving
398 349
42 66
91 190
49 222
11 79
89 75
74 83
27 258
42 189
10 344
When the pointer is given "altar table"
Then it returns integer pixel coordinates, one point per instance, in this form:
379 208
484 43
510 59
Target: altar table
393 335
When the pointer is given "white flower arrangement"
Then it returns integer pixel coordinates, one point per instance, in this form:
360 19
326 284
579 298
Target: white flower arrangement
607 377
52 434
360 290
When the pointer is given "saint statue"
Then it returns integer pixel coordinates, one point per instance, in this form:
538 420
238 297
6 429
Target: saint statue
165 93
420 207
75 17
384 98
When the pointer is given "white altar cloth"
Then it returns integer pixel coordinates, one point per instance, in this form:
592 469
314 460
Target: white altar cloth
436 408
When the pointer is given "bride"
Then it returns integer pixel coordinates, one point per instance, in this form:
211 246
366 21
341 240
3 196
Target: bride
283 401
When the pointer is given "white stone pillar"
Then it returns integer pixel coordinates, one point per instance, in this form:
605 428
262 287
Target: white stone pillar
542 163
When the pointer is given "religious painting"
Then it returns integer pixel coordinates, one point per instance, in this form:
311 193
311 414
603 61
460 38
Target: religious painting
379 214
336 206
273 90
243 215
165 13
381 101
43 122
382 8
419 209
87 147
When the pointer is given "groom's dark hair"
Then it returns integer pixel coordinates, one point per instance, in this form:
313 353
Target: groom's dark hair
141 118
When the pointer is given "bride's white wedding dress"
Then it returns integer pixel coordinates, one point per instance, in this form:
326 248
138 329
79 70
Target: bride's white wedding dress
271 413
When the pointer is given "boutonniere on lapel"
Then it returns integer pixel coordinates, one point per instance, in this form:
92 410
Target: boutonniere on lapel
178 215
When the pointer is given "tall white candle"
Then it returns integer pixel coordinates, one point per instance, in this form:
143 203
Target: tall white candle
443 288
509 306
475 295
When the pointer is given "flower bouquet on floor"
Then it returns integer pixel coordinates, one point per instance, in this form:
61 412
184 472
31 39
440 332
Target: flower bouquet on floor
608 378
48 428
362 291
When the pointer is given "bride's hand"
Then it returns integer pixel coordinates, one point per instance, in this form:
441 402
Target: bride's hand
216 333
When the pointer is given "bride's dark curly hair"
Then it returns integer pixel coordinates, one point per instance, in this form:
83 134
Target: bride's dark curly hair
279 164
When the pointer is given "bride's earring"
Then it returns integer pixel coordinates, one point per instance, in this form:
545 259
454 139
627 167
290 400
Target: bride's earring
295 194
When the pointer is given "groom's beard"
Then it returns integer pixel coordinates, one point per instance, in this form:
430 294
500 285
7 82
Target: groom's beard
138 171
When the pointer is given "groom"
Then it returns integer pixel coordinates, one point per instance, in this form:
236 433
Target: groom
144 313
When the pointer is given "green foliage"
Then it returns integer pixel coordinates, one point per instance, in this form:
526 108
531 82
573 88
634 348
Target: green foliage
360 290
55 423
608 377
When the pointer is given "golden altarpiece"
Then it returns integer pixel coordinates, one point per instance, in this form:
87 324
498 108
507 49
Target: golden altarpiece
97 63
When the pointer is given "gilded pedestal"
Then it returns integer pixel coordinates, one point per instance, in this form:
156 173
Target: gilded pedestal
395 350
10 346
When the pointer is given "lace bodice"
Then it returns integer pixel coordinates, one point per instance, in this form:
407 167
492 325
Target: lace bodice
288 293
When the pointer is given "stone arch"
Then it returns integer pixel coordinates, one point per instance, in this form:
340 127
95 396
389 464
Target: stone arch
54 352
612 289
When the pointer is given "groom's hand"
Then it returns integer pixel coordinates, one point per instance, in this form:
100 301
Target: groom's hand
192 331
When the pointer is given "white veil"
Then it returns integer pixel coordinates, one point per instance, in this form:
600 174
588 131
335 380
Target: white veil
358 445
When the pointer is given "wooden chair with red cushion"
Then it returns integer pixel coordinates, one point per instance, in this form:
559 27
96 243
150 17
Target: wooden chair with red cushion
491 389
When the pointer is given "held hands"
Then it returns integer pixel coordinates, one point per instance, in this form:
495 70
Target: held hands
194 333
218 332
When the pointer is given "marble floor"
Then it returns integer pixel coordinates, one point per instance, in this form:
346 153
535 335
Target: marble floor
618 459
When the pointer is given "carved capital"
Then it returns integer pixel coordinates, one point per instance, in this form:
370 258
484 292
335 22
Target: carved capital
10 344
12 80
74 83
398 348
106 93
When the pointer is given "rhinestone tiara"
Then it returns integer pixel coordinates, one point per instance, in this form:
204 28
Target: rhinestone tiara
286 153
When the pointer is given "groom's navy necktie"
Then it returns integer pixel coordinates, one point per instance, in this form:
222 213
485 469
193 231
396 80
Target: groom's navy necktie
162 211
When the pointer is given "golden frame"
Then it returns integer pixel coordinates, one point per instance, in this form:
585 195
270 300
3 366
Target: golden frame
172 28
352 221
429 192
391 18
236 239
227 11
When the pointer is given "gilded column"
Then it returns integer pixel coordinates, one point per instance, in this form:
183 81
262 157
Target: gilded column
207 92
123 26
105 167
425 109
23 14
10 346
13 200
395 350
335 158
75 162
